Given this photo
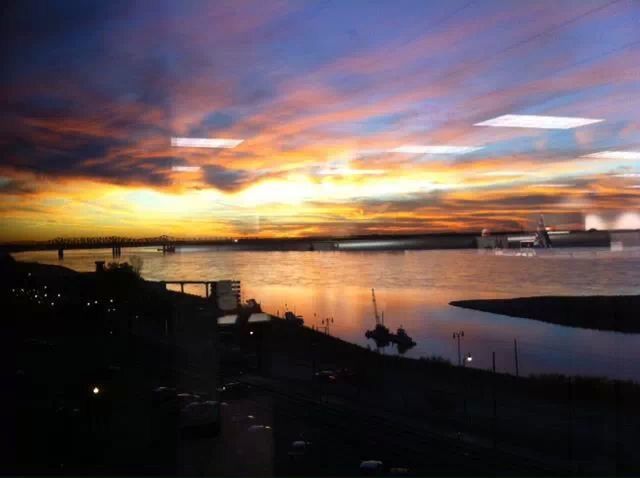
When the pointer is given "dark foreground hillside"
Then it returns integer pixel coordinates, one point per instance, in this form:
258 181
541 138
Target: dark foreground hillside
98 368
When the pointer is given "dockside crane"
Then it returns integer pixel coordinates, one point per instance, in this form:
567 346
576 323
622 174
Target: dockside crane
375 306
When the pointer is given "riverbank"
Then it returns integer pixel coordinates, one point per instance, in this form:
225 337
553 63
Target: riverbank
469 421
610 313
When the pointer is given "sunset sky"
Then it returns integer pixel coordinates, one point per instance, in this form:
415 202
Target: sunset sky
336 103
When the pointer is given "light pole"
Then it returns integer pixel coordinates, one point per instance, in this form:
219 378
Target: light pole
327 324
458 335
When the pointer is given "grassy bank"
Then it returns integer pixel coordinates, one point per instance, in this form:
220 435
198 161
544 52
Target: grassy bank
611 313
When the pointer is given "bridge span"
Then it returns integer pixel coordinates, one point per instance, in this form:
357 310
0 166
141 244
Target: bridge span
115 243
168 244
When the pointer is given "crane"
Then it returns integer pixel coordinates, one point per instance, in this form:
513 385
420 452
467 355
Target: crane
375 306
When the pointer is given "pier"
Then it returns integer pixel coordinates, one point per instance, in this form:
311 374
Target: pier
227 291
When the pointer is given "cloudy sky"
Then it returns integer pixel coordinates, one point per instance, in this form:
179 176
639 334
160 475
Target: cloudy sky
356 116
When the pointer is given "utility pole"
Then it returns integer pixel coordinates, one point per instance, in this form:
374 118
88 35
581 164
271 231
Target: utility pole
619 464
570 424
327 325
515 354
458 335
495 407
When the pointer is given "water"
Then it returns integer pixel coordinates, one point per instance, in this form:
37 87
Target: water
413 289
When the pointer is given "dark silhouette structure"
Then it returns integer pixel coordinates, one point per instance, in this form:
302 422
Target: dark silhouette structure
542 238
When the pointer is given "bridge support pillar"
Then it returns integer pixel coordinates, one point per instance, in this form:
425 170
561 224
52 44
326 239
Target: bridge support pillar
182 287
60 253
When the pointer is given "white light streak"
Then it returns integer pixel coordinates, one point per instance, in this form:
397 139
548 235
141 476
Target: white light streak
185 169
535 121
623 155
205 142
499 174
350 172
551 185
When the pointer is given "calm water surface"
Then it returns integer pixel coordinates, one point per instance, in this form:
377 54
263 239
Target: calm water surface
413 289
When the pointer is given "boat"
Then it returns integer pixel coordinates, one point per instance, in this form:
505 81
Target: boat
403 341
402 338
380 335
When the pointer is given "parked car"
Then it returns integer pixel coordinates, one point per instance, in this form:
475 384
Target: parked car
399 471
259 429
340 375
190 412
371 468
233 391
243 419
325 376
201 415
299 448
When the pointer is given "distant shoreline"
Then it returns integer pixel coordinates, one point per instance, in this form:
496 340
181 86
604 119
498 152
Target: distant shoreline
617 313
433 241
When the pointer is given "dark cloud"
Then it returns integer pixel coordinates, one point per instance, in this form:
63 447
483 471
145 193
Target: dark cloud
75 158
225 179
211 123
14 186
38 106
53 35
408 203
151 171
56 158
510 201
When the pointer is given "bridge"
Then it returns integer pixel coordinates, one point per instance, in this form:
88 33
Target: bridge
168 244
116 243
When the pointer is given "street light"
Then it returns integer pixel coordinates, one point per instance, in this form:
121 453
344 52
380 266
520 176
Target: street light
458 335
467 359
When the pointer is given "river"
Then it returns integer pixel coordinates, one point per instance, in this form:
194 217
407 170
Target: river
413 288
